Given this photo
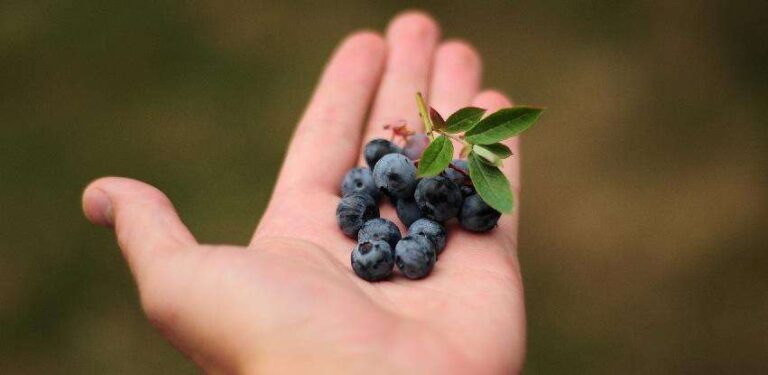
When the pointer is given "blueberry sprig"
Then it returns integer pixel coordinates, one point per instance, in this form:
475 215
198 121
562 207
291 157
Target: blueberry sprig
481 142
428 188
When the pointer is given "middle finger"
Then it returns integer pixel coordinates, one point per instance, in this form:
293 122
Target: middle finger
412 38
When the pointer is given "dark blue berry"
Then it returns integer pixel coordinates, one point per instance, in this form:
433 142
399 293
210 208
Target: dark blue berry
431 230
415 256
360 180
462 180
467 190
454 175
478 216
408 211
353 211
379 229
373 260
395 175
438 198
377 148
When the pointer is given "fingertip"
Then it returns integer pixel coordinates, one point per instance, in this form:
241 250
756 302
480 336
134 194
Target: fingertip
459 54
97 206
98 198
106 197
365 42
415 23
359 58
492 99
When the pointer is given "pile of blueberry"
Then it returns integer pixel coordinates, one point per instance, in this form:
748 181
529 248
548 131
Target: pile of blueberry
422 204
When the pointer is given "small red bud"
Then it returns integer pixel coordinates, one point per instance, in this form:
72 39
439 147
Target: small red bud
437 120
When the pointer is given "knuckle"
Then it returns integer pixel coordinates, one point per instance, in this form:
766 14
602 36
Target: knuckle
159 309
157 297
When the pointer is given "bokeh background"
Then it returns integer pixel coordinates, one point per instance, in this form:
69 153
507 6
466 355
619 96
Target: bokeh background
644 238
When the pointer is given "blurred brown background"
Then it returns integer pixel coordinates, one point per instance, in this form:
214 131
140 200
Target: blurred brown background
644 239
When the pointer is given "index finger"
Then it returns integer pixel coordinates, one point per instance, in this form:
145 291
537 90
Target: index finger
327 140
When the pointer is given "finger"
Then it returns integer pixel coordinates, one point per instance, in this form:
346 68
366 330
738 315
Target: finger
329 133
492 101
412 38
455 77
145 222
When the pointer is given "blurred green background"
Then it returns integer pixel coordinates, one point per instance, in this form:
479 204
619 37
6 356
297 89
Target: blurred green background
644 238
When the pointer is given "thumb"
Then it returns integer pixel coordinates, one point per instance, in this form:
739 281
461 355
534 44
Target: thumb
145 222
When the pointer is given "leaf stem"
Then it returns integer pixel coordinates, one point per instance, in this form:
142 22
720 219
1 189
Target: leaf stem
424 113
455 138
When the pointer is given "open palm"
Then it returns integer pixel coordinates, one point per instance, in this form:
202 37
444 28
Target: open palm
289 301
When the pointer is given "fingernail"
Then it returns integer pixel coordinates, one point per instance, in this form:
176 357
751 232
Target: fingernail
100 205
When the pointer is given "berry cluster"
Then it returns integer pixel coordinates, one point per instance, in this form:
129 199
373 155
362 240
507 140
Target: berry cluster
422 204
474 191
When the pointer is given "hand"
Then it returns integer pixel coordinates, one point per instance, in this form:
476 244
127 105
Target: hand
289 301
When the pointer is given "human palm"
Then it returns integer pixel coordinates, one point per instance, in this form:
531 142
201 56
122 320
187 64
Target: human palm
289 301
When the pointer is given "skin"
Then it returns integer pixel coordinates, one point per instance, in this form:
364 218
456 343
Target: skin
289 301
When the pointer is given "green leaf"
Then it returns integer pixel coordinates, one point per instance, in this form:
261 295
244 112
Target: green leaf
503 124
463 119
491 184
436 157
499 149
487 155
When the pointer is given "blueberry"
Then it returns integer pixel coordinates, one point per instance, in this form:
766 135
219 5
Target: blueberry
455 175
353 211
438 198
373 260
377 148
462 180
379 229
430 230
462 164
395 175
467 190
408 211
360 180
415 146
415 256
478 216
